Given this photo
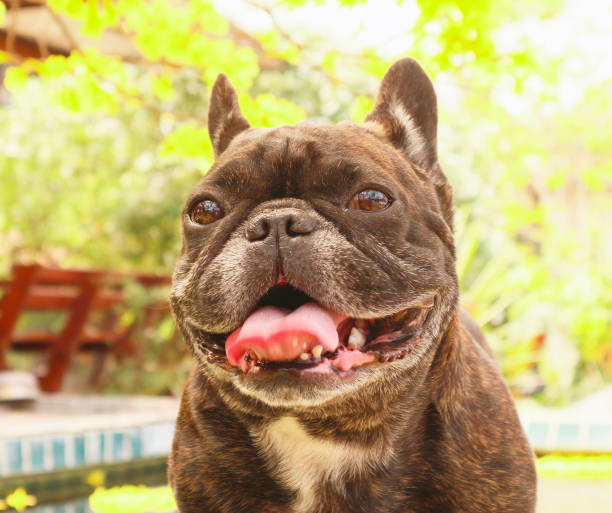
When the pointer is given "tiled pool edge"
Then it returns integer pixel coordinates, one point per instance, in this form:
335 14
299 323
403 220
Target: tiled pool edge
51 453
55 452
567 430
569 437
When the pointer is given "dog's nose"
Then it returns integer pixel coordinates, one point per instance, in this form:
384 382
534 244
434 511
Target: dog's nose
280 223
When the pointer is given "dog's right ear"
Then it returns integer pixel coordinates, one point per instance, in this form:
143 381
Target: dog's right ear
406 111
225 119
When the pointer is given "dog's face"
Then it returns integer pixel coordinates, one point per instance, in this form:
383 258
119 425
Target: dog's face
318 261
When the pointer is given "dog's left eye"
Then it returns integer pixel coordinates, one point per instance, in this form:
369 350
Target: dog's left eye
370 199
206 212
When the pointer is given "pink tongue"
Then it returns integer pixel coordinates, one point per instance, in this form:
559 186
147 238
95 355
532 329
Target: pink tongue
276 334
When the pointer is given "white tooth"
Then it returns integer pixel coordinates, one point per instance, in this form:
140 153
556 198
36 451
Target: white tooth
305 356
317 351
356 339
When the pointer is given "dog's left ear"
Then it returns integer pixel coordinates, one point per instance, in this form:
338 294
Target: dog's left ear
406 111
225 119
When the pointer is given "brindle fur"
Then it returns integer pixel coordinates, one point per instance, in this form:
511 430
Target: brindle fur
434 432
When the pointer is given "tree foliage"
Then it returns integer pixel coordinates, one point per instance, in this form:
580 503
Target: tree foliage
98 152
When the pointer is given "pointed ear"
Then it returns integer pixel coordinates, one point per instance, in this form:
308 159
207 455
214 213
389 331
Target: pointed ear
225 120
406 112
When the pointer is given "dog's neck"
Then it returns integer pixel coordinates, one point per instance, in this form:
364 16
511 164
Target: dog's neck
307 464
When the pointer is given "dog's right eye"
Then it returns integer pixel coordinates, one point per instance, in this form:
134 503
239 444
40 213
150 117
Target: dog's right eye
370 200
206 212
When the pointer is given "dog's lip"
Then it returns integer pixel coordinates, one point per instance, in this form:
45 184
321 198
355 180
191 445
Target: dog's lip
386 346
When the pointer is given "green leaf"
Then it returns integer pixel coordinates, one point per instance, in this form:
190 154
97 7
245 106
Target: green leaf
372 64
269 40
361 107
329 61
265 110
132 499
162 87
594 179
93 22
575 466
189 141
15 78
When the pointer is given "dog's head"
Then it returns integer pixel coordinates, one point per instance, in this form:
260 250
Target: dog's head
319 260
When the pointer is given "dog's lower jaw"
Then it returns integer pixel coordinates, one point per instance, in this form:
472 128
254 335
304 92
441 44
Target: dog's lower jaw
365 384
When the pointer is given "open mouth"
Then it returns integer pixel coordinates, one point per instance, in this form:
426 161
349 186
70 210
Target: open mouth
288 330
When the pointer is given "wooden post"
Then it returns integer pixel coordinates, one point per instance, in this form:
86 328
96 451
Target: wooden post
15 297
69 339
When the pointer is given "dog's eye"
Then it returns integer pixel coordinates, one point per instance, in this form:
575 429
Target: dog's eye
370 199
206 212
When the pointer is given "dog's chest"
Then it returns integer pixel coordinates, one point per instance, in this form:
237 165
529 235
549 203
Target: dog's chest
304 463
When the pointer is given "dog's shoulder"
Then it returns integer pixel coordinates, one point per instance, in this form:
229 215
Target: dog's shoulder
471 331
482 439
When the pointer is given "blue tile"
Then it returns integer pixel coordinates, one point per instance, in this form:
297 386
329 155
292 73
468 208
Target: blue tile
37 455
137 445
59 453
102 446
59 509
567 435
117 446
538 433
157 438
81 507
15 461
600 436
79 450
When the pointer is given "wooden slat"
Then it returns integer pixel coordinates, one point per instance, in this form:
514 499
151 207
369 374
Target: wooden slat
48 338
68 339
57 276
49 298
153 280
42 347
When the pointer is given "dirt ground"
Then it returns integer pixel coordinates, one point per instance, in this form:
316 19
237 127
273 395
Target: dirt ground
572 496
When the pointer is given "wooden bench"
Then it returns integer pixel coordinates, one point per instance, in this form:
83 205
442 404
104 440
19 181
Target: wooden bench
93 303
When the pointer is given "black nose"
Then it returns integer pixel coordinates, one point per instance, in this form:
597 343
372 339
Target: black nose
280 223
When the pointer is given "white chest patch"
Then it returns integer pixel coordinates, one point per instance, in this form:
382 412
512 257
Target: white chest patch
301 462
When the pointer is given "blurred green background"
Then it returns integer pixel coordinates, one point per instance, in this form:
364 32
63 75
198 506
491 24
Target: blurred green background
103 132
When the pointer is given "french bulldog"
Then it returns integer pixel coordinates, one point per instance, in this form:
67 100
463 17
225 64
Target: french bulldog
335 371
